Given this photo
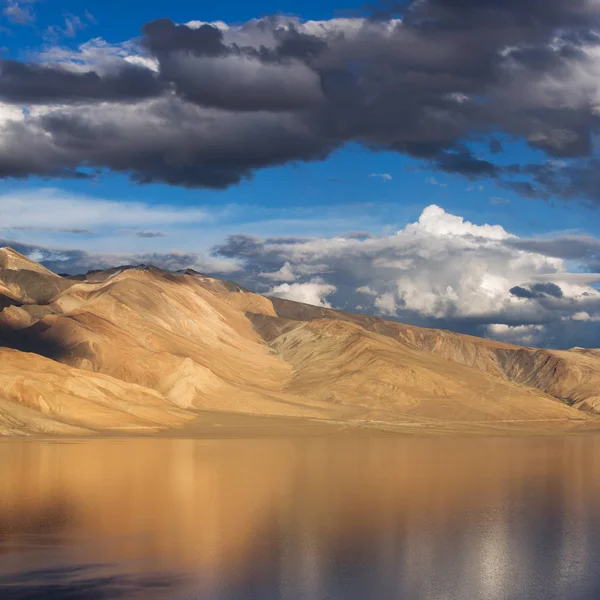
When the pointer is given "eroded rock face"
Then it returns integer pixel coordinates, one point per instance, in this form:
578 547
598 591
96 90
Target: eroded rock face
141 349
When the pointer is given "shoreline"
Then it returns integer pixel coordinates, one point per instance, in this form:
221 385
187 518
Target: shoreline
223 425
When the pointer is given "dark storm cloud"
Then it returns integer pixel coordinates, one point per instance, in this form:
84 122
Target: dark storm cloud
463 162
570 179
163 36
41 84
241 245
496 147
164 141
243 84
223 104
530 12
204 70
538 290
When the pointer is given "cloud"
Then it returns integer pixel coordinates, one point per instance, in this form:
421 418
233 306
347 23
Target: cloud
55 210
384 176
584 316
149 234
365 289
72 26
572 179
434 181
209 104
286 273
525 335
46 84
461 161
584 250
144 234
440 271
56 229
312 292
19 11
66 260
537 290
242 83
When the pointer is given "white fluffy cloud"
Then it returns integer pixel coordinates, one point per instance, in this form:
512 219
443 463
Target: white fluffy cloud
441 270
312 292
286 273
528 335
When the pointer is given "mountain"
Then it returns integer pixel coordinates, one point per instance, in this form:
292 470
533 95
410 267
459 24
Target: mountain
139 349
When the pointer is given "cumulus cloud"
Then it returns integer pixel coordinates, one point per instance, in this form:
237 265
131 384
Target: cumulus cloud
209 104
527 335
585 316
440 271
286 273
384 176
312 292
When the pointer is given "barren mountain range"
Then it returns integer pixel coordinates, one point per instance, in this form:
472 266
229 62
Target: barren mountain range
141 350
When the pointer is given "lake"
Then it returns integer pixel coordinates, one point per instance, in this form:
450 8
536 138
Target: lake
341 518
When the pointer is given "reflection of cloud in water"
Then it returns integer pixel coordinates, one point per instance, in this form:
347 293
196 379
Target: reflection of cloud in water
381 519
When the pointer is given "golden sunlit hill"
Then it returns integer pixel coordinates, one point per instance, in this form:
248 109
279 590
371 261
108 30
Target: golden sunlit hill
141 350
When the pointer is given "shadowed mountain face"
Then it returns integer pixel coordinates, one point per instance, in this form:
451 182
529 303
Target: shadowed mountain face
139 349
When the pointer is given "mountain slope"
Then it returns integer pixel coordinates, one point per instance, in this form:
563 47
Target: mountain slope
571 376
139 349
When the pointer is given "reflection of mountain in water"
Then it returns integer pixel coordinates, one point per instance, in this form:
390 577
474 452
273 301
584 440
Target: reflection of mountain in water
305 519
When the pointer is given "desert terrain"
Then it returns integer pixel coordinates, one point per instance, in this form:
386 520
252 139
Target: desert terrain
138 350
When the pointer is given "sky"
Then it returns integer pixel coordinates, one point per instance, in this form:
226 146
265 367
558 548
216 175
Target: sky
430 161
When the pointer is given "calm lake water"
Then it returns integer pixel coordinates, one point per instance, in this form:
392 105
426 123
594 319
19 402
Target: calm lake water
320 519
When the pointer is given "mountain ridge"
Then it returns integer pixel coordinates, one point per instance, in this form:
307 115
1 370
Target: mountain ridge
139 349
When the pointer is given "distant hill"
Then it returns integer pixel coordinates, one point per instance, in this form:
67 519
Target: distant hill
138 349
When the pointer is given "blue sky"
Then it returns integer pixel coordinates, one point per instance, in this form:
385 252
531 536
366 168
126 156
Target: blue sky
286 193
348 189
50 13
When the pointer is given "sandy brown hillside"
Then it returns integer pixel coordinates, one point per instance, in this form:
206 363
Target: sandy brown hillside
140 349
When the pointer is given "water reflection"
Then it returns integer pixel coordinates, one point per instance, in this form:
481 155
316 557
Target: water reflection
362 519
